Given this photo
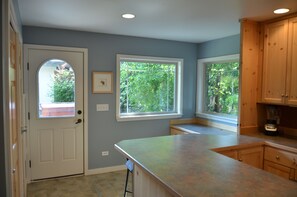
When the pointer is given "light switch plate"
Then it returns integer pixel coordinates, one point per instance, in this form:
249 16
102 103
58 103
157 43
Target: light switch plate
102 107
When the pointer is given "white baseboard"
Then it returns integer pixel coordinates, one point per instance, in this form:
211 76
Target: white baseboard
105 170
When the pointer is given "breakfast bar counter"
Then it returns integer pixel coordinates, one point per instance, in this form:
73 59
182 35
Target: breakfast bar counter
186 165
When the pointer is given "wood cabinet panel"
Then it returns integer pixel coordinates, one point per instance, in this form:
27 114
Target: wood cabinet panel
292 63
250 36
230 153
280 62
252 156
146 186
280 170
280 157
275 61
176 132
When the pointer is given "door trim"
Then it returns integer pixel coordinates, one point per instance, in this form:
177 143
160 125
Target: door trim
85 93
8 18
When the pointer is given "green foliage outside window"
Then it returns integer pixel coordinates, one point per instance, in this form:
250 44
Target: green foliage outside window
147 87
222 88
62 89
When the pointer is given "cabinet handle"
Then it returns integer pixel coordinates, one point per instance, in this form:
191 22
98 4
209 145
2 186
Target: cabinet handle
286 96
240 160
282 95
277 157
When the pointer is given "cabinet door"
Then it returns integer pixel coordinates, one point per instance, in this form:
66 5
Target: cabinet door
280 170
230 153
275 61
252 156
292 63
176 132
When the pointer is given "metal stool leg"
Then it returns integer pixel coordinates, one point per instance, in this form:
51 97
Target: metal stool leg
126 184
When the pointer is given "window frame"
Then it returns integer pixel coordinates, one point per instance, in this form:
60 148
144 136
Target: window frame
155 115
201 82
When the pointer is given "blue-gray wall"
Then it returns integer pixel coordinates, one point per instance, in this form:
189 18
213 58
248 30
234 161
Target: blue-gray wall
104 130
219 47
224 46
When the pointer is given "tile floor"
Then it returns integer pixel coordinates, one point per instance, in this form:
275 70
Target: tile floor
102 185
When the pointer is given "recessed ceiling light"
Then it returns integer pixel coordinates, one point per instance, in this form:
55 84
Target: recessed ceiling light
281 11
128 16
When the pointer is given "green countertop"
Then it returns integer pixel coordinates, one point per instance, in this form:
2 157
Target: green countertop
186 165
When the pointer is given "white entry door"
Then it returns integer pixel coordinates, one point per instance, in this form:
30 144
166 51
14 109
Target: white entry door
56 111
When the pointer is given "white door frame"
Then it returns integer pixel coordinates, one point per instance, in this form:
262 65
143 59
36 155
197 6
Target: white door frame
85 94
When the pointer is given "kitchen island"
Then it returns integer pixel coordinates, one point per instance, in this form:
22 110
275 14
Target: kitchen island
186 165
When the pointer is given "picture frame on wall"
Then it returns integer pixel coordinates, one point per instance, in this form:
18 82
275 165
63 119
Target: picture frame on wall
102 82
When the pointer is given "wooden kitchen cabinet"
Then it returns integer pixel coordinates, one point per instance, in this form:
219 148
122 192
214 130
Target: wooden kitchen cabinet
230 153
176 132
280 170
292 63
280 62
280 162
252 156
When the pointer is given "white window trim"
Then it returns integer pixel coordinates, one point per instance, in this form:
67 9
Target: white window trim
201 83
179 84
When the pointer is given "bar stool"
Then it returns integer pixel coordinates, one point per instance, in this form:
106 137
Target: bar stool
129 165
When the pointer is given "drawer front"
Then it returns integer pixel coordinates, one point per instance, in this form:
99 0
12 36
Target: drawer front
280 170
281 157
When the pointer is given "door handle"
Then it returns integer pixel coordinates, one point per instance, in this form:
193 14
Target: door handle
78 121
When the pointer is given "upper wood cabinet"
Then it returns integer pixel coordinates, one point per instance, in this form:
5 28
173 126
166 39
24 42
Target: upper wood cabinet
280 62
292 63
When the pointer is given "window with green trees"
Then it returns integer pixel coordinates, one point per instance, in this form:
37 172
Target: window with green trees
218 88
221 90
148 86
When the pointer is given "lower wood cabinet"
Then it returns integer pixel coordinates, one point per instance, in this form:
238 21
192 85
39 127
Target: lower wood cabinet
146 186
230 153
280 162
280 170
252 156
176 132
274 160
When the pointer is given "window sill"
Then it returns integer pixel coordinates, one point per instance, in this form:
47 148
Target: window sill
224 120
147 117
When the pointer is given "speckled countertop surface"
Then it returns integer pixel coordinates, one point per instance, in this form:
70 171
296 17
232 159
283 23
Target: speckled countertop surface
186 165
201 129
279 140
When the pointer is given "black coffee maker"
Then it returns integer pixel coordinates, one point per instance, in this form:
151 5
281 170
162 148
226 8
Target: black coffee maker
272 121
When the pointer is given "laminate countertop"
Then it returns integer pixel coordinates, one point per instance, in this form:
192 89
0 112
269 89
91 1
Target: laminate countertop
201 129
186 166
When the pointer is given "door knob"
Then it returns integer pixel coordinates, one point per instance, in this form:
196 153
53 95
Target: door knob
78 121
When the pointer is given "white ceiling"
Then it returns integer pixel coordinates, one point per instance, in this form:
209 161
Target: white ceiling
182 20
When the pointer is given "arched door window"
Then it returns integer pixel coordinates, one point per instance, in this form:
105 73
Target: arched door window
56 89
